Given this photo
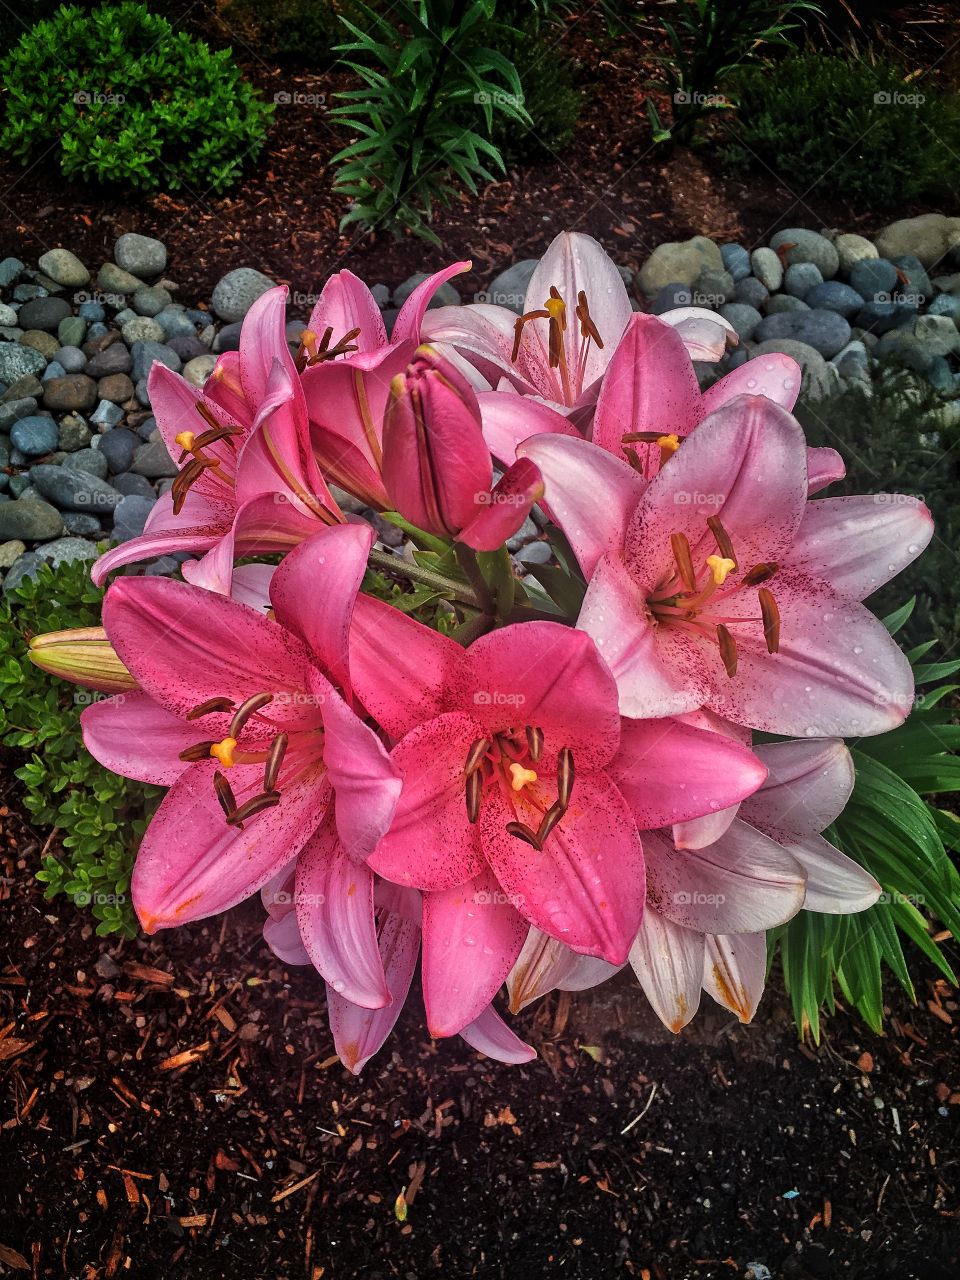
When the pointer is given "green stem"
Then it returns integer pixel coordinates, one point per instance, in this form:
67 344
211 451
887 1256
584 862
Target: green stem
401 568
467 560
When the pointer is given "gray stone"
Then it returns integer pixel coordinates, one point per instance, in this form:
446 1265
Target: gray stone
34 436
768 268
937 334
930 237
153 461
538 552
678 262
16 361
781 303
853 362
508 289
176 323
833 295
800 278
744 319
142 329
736 260
92 311
107 414
825 331
13 410
131 484
74 391
130 517
946 304
852 249
81 524
879 317
30 520
43 342
8 317
236 292
73 433
114 279
228 339
27 292
118 447
445 296
123 316
148 301
113 359
90 461
187 346
143 393
71 359
43 313
115 387
145 354
751 292
712 288
65 268
197 370
382 295
74 490
63 551
140 255
819 378
10 552
10 269
807 246
147 429
671 296
917 287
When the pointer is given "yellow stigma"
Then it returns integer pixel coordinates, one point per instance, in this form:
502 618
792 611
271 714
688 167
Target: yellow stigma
223 751
185 440
521 776
720 566
670 443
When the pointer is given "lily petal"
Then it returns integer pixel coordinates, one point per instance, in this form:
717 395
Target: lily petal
505 508
132 735
836 884
668 962
808 785
409 319
345 303
775 376
489 1034
734 971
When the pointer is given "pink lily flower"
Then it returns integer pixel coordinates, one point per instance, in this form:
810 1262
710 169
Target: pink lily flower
709 906
649 401
719 585
247 473
239 715
509 813
436 467
575 313
358 1031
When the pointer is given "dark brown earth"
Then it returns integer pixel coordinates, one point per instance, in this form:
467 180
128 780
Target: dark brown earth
171 1107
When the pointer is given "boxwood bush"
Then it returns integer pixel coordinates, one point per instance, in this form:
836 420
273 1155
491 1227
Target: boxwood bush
129 100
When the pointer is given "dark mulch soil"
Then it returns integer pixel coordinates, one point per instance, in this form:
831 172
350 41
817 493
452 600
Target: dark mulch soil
172 1108
610 181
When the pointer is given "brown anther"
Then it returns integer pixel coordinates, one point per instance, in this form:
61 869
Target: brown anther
523 832
587 328
326 352
684 560
724 545
207 414
518 329
187 477
199 751
534 742
641 437
474 789
478 749
246 710
633 458
213 435
207 708
771 620
761 572
728 649
256 804
228 801
566 775
274 760
549 821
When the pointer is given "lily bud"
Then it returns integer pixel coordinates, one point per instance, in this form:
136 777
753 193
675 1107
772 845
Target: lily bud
83 656
435 461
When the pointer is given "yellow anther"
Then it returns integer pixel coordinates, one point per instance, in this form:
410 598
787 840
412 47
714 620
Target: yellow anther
720 566
185 440
671 443
557 308
521 776
223 751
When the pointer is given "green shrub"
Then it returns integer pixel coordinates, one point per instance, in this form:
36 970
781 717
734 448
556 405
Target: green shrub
859 126
891 436
551 100
303 32
99 816
129 100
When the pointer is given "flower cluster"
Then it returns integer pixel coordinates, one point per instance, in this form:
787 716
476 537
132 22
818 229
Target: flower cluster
513 781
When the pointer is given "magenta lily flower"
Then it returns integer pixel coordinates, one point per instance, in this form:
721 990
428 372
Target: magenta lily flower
239 716
719 585
247 473
708 907
358 1031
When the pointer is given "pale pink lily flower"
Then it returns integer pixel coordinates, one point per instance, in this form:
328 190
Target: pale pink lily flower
649 401
719 585
360 1031
247 473
706 908
509 813
575 313
239 715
